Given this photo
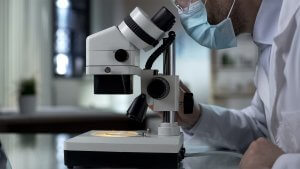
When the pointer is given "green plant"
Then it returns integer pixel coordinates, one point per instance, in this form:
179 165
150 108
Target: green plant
227 60
27 87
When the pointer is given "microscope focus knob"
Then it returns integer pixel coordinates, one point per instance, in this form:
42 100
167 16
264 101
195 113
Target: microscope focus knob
121 55
158 88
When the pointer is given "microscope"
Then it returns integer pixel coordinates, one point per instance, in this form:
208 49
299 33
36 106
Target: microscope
113 58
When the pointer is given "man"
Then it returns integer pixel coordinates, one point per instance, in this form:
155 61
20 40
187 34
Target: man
267 131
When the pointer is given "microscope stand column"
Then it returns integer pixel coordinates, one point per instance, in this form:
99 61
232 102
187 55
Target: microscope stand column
169 127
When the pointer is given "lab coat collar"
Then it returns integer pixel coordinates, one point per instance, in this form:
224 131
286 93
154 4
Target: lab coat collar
265 27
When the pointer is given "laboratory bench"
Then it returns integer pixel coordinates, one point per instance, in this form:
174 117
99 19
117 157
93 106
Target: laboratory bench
36 151
65 120
34 141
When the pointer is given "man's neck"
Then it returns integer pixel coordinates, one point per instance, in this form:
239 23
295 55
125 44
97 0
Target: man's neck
249 10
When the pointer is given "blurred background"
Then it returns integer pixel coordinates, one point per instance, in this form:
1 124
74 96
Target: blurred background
42 53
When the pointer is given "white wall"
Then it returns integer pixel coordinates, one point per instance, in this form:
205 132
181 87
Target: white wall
3 46
25 48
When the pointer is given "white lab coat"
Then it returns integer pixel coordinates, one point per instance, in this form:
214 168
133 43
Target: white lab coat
275 109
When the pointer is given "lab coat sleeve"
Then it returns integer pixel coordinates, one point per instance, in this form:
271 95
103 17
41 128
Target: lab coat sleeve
287 161
230 129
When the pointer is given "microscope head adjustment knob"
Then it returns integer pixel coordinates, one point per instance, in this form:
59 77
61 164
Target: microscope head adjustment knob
121 55
158 88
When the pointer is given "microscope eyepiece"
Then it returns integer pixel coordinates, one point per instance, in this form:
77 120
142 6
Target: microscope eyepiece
145 32
164 19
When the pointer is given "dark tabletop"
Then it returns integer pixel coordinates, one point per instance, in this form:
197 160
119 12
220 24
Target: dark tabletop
65 120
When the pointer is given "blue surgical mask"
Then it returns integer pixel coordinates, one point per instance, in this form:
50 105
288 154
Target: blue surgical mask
220 36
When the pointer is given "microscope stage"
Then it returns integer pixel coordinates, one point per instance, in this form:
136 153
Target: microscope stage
125 149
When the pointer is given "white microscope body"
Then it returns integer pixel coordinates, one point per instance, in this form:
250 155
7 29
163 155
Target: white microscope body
113 57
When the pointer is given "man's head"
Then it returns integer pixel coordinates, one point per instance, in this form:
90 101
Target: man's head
243 14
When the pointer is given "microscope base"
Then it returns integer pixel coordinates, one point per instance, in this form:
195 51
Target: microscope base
90 151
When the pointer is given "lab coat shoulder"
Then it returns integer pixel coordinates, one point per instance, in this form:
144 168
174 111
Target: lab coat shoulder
291 56
288 10
286 45
286 51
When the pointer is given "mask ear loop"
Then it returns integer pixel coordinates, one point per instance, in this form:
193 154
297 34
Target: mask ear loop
205 2
230 8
